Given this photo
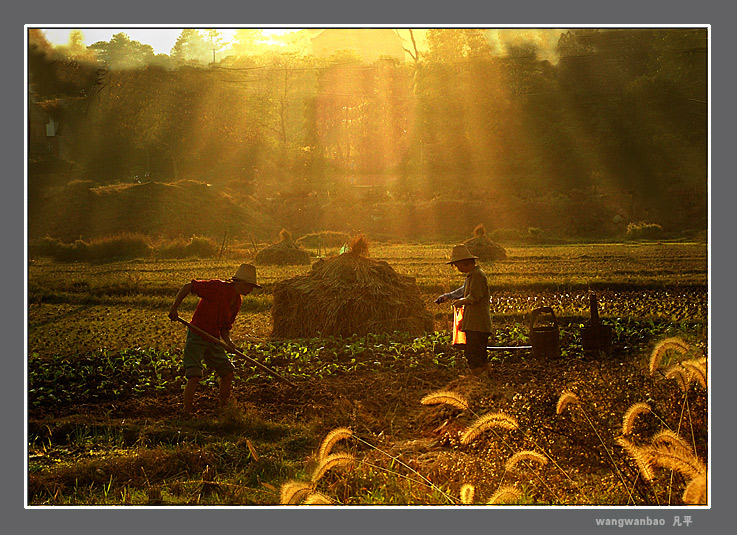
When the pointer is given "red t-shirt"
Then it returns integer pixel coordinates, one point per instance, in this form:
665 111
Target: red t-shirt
218 306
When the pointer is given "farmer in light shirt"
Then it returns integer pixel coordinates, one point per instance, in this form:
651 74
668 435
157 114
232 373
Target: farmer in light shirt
474 297
220 301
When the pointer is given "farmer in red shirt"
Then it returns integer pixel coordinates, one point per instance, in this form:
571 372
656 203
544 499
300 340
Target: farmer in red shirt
220 301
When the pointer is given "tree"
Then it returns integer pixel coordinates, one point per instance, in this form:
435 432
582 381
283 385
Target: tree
191 47
54 74
247 42
121 53
452 44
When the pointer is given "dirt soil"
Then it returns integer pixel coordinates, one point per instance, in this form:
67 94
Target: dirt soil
384 408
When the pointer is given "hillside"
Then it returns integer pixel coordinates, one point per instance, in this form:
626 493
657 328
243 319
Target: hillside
182 208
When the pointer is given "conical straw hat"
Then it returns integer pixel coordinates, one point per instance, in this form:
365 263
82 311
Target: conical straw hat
460 252
246 273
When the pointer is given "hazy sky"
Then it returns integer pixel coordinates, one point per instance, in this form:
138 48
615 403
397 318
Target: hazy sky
161 39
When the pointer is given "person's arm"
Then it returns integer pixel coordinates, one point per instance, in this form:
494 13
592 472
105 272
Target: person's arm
225 335
455 294
184 292
475 291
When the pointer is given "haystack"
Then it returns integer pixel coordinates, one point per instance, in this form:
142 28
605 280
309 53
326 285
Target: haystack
282 253
348 294
484 247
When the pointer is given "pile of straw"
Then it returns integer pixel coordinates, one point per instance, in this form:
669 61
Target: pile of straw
284 252
348 294
483 246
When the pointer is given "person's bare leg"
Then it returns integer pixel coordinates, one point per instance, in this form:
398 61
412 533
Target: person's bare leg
189 391
226 385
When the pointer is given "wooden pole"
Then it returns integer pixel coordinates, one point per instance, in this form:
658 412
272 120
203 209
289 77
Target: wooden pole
211 338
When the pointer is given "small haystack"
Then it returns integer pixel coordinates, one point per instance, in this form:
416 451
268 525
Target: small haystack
348 294
483 246
282 253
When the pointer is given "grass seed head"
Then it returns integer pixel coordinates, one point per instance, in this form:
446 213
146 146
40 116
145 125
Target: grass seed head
677 373
696 370
628 421
485 422
317 498
566 398
641 456
660 350
293 492
507 494
334 460
695 491
677 459
525 456
666 437
449 398
340 433
467 492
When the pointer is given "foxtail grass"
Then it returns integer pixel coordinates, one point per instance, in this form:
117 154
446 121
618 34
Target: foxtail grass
445 397
566 398
521 456
317 498
675 458
467 492
635 410
293 492
663 347
668 438
335 460
486 422
641 456
695 492
334 436
678 374
697 370
507 494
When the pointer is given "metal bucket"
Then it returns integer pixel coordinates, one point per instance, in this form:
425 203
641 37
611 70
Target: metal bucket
545 340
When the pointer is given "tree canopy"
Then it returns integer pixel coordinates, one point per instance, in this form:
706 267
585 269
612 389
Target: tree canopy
618 112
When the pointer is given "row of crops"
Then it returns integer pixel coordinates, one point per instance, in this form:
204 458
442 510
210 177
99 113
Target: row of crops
107 375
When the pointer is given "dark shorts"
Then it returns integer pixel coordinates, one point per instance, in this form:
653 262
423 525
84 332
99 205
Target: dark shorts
198 350
475 350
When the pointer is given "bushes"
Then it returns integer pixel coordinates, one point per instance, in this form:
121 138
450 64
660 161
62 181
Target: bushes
514 235
198 246
644 231
120 247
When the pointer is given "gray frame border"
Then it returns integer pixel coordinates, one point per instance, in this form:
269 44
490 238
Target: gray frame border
435 520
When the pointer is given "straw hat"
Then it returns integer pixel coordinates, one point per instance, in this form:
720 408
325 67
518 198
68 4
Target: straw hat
460 252
246 273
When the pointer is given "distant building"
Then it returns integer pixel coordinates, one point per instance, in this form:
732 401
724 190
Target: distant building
44 128
370 44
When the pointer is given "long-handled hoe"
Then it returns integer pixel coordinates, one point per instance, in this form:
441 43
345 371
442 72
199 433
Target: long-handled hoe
208 336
